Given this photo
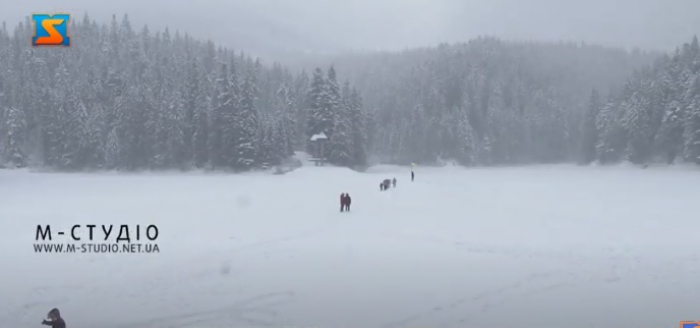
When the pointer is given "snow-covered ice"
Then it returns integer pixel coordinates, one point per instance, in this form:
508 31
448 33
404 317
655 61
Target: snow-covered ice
539 246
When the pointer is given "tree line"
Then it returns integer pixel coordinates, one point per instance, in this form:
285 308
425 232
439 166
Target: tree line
654 118
487 101
127 100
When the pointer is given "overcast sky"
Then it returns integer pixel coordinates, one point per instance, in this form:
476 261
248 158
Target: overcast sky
267 27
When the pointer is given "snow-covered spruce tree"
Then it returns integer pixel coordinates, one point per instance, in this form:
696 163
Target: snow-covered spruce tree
589 131
462 137
73 126
669 138
221 131
333 94
282 143
57 121
691 151
154 99
270 144
641 120
88 117
196 117
93 127
133 130
174 116
15 136
3 110
613 137
271 141
266 142
290 125
283 122
246 123
359 129
302 104
231 130
320 118
112 150
340 146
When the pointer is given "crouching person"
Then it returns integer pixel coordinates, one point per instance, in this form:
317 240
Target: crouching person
55 320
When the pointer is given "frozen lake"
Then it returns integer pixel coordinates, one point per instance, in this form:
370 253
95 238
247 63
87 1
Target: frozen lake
540 246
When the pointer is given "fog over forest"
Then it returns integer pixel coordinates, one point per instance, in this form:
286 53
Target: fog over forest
242 85
349 163
272 28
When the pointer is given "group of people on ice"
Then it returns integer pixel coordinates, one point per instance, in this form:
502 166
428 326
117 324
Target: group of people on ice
345 199
384 185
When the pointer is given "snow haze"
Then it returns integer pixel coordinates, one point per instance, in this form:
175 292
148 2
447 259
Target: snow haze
272 28
207 114
491 247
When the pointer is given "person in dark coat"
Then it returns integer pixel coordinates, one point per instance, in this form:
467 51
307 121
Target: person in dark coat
342 201
381 186
348 200
55 320
412 176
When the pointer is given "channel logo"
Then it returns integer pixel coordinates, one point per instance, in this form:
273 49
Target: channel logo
51 30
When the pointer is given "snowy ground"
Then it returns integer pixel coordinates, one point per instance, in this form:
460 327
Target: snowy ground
528 247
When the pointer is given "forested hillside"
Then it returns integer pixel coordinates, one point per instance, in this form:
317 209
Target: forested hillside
128 99
487 101
655 118
134 100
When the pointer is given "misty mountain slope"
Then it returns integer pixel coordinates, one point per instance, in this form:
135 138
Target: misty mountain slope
487 101
264 27
656 117
134 99
156 100
590 246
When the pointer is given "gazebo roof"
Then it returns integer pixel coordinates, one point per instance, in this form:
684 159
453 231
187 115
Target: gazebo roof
319 136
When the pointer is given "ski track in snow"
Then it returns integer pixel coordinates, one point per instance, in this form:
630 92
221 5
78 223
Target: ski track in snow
457 248
259 310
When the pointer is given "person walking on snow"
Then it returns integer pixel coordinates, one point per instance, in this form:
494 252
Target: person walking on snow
348 200
393 182
342 201
412 175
